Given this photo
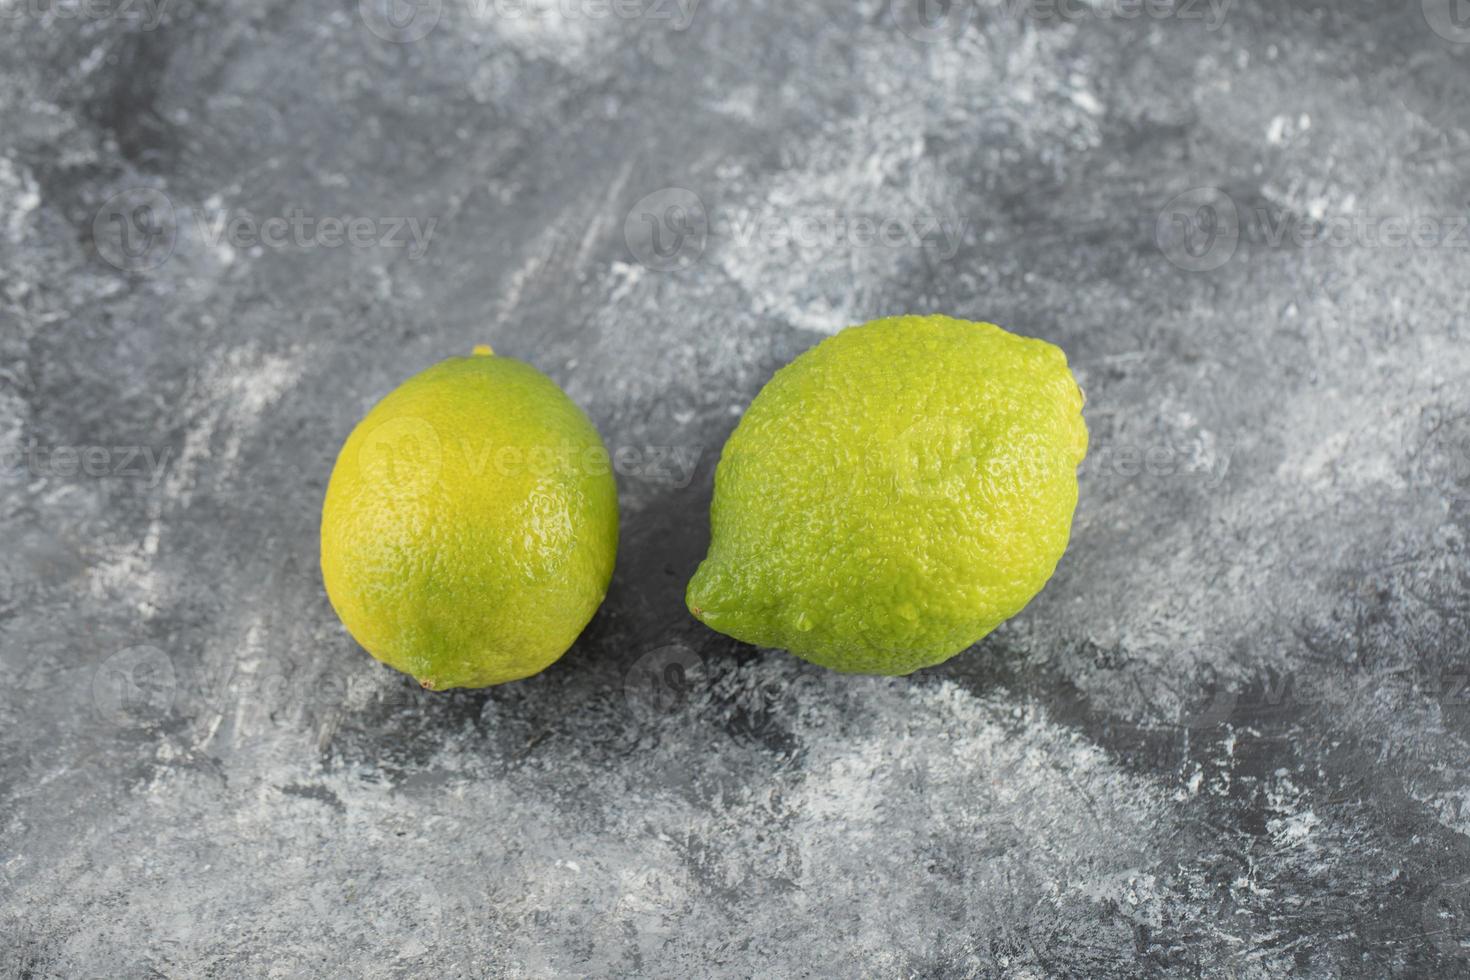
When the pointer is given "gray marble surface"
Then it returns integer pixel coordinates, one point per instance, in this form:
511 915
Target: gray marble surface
1228 740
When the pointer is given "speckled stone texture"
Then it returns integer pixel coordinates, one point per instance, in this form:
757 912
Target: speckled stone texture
1228 740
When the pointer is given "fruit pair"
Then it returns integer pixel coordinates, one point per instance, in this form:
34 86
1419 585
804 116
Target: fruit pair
889 498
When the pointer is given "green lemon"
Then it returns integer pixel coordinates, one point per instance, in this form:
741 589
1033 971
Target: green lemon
470 525
893 495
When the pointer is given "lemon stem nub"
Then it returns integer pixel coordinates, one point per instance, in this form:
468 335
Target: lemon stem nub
483 350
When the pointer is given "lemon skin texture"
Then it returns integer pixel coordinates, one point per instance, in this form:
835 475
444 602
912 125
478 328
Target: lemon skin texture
893 495
470 525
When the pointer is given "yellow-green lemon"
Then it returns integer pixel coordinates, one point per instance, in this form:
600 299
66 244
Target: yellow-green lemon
470 525
894 494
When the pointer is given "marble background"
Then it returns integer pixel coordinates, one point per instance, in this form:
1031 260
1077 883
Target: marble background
1228 740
